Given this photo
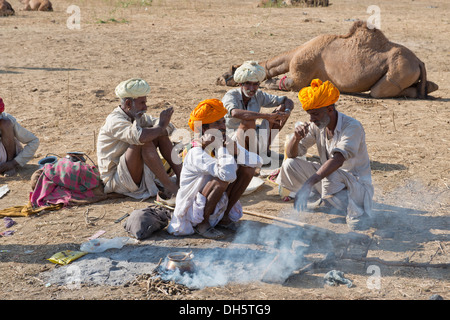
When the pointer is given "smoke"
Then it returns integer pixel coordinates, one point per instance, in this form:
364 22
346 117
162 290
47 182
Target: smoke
270 254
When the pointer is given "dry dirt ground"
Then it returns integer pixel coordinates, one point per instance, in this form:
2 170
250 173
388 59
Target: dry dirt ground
59 83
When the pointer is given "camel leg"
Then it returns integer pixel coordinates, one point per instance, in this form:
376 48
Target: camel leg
388 88
275 67
405 78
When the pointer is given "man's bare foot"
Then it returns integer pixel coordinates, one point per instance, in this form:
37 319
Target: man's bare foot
10 173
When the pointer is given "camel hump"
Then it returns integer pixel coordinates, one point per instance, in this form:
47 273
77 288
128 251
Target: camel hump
356 25
361 33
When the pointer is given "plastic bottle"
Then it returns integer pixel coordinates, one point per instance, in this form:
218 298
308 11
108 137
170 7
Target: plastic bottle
101 244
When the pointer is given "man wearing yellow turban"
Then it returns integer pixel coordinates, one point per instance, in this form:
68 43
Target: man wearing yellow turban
216 172
128 144
244 109
342 180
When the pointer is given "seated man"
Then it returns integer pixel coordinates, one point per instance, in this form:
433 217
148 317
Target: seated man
212 180
128 145
343 178
12 134
244 106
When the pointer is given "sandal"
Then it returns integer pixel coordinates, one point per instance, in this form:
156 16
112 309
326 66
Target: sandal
233 226
161 198
210 233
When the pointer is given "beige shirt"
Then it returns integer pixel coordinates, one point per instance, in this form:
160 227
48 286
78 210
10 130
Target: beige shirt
115 136
27 138
348 139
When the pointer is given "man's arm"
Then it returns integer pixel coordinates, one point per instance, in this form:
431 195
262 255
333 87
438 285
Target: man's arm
299 133
286 106
150 134
252 115
330 166
30 142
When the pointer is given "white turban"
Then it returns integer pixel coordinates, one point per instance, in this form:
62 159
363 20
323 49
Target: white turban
249 71
132 88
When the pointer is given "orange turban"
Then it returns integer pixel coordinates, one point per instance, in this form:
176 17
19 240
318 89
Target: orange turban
207 111
318 95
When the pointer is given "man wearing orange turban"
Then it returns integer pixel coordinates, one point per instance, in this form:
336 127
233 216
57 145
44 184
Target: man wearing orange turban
206 112
342 180
216 172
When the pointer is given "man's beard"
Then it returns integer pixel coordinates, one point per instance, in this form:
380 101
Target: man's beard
324 122
246 93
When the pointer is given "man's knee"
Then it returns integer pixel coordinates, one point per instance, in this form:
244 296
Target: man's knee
288 164
247 124
246 172
6 125
219 185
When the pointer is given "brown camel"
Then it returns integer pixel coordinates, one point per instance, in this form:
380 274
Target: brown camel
37 5
6 9
363 60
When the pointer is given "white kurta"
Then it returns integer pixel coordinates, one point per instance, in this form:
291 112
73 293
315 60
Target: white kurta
198 169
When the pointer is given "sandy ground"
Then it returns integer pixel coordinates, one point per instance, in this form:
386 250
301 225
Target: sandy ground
59 83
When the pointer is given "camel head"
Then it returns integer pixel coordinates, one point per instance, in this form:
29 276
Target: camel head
227 78
6 9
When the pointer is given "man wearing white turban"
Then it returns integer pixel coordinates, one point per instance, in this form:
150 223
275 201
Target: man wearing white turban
128 143
244 109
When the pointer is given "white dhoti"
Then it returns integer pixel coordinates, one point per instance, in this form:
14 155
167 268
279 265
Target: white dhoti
122 182
194 215
294 173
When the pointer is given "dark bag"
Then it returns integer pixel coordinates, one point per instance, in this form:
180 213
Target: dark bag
142 223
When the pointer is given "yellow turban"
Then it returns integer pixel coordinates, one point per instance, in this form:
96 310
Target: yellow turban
132 88
318 95
207 111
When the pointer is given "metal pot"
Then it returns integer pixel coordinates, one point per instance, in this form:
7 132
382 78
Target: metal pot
47 159
181 261
76 156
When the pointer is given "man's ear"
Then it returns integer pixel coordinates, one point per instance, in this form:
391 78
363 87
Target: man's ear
330 108
128 103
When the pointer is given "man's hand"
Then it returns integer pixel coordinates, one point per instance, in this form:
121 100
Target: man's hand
301 131
231 146
301 197
164 117
8 166
212 139
275 117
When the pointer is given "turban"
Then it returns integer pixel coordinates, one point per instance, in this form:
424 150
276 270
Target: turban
2 106
207 111
249 71
318 95
132 88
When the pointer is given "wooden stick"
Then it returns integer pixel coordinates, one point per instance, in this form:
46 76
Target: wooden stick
288 221
265 216
397 263
269 266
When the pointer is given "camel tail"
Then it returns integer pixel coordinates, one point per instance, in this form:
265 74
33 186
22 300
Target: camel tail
422 87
